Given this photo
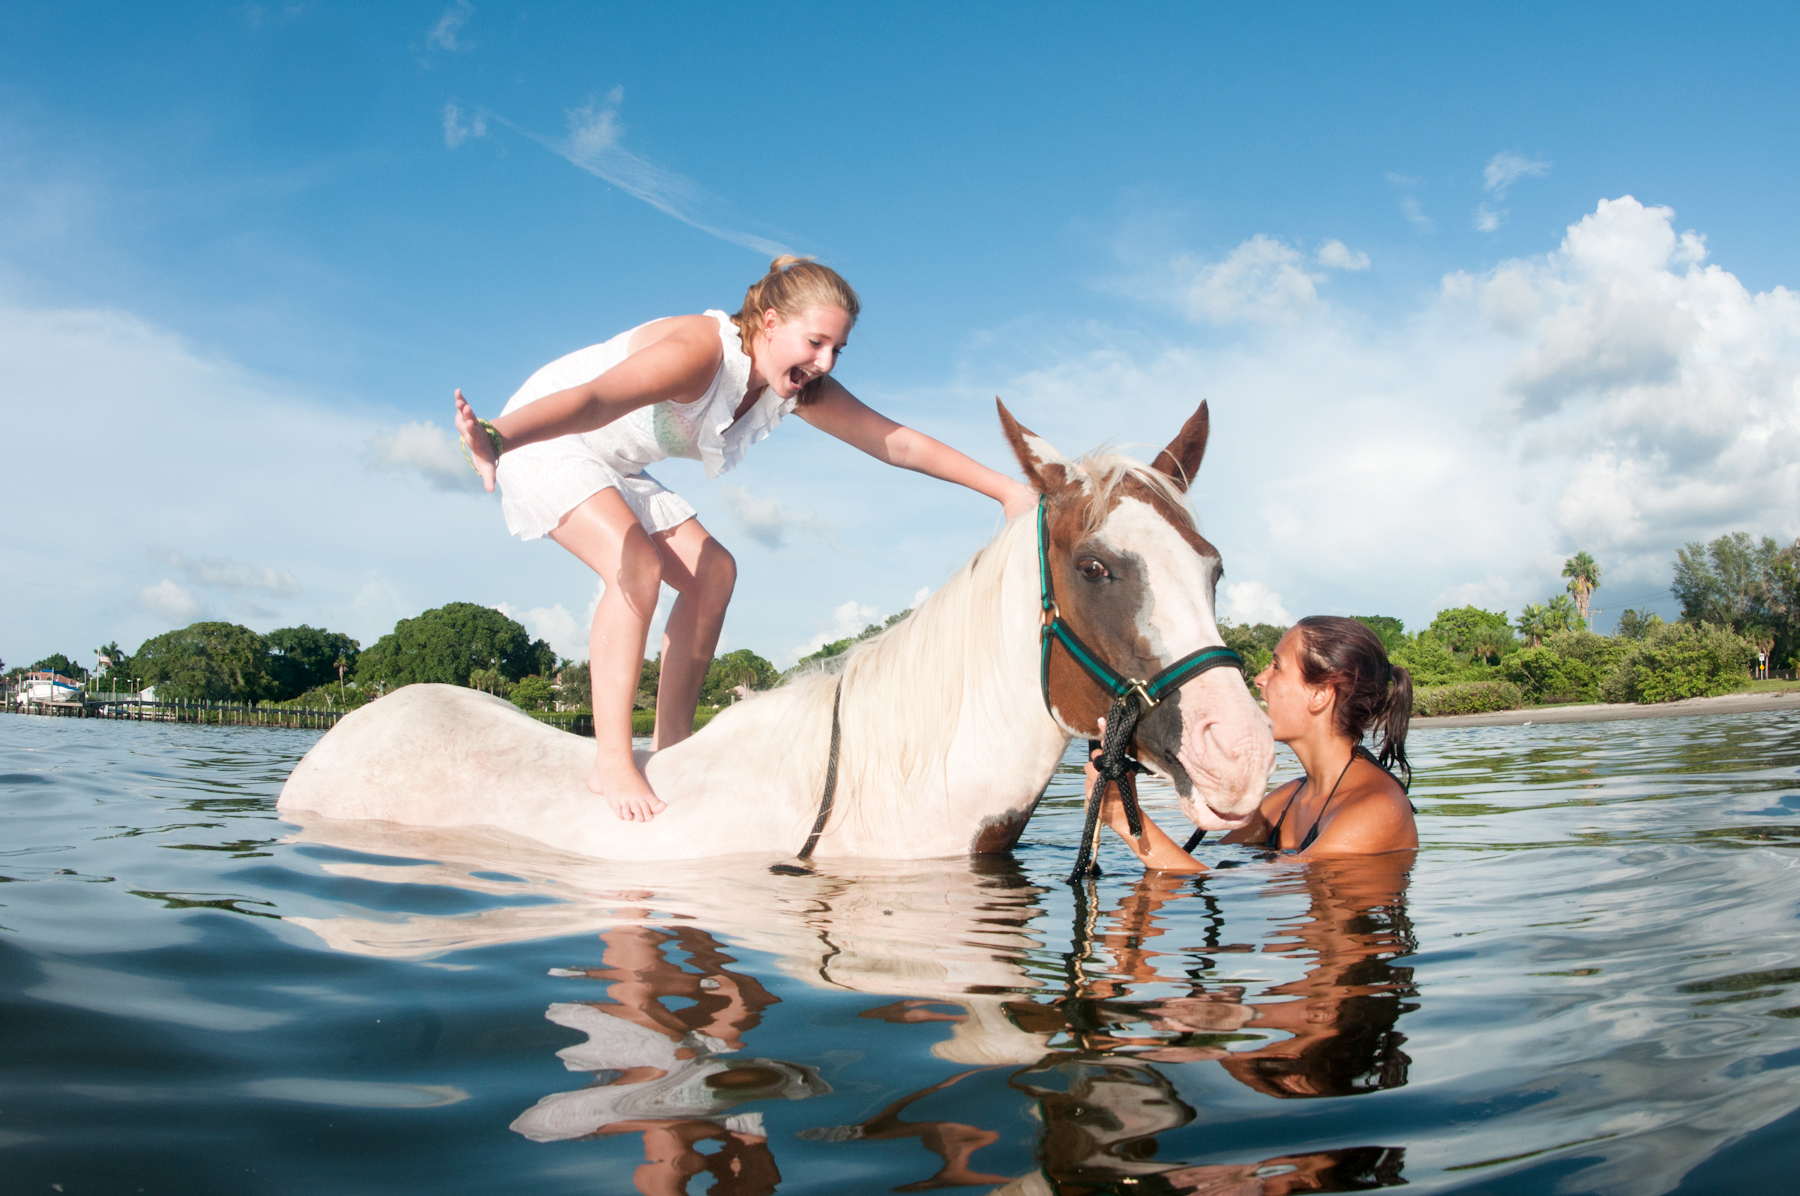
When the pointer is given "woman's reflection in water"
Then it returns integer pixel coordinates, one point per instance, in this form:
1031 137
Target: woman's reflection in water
1104 1103
661 1072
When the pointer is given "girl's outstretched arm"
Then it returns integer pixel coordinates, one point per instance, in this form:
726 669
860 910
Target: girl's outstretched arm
841 414
677 364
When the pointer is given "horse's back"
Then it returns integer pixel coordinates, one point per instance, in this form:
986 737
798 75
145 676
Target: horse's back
445 756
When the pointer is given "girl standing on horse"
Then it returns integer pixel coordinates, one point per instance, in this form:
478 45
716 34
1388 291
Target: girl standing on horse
570 448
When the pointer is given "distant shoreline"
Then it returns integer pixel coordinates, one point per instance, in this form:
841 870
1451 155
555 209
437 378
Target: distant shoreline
1610 712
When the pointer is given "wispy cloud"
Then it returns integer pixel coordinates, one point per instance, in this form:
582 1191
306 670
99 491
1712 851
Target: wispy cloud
768 521
846 620
218 573
170 601
1254 602
1506 168
447 33
1415 215
455 132
427 451
593 144
1503 170
1264 281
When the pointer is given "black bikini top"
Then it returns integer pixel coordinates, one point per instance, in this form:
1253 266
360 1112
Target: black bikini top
1273 842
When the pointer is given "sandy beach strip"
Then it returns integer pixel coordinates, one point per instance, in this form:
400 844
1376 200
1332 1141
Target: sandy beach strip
1608 712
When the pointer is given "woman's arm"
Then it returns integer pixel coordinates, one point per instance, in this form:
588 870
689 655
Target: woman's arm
1154 850
678 365
841 414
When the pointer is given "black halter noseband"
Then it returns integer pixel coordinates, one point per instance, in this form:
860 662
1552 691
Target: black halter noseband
1131 700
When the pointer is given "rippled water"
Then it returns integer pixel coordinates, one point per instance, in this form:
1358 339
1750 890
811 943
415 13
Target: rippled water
1589 982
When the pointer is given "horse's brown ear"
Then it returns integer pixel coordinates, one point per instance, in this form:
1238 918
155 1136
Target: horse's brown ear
1045 468
1181 460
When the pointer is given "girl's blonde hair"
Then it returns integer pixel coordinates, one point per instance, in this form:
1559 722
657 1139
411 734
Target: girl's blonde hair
792 287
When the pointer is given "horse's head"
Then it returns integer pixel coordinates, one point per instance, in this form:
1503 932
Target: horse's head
1135 580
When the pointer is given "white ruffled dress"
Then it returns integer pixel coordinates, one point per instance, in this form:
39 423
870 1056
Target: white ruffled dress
541 483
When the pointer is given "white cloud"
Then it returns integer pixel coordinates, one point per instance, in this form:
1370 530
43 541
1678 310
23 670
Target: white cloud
455 132
1506 168
221 574
169 601
1503 170
1263 280
1415 215
1618 394
1254 602
919 598
593 144
447 33
427 451
768 521
1338 256
846 620
553 624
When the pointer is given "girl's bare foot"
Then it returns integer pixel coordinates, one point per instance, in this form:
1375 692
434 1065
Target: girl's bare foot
476 442
625 790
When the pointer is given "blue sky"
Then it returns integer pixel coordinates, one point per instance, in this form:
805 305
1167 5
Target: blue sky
1469 288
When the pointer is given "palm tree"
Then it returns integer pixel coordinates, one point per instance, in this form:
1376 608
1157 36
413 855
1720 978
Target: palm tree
1533 623
1584 578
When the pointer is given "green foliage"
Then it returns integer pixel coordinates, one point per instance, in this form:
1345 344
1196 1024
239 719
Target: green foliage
1466 697
576 682
839 647
56 662
1540 620
331 697
1255 642
1570 667
727 672
491 681
211 662
1428 659
449 644
649 677
1472 632
1635 624
534 693
1680 660
1391 630
1751 587
303 658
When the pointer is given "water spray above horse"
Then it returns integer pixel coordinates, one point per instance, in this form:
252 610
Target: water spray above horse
934 739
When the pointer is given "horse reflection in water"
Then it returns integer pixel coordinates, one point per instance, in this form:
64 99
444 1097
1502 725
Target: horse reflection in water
950 940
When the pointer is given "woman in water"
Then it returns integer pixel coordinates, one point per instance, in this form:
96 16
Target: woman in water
1328 684
570 448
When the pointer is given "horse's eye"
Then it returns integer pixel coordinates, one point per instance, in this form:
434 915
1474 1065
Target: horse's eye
1093 570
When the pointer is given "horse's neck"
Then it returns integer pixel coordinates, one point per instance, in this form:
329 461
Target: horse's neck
992 745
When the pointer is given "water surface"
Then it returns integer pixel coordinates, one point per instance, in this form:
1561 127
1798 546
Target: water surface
1588 981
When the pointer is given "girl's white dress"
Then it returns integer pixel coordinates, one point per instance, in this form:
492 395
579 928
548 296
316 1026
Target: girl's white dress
540 483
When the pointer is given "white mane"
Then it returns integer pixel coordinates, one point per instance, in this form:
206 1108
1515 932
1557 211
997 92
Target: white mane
904 690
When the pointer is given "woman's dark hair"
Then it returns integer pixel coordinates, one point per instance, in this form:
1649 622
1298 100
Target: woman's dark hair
1371 693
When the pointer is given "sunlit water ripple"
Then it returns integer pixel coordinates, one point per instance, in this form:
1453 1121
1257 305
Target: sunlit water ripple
1590 983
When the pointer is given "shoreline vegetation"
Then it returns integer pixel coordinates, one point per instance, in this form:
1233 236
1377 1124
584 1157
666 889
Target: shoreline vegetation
1740 616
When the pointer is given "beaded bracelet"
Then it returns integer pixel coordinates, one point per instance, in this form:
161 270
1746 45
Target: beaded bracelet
493 435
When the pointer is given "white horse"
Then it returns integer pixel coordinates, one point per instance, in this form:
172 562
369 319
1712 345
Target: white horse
945 743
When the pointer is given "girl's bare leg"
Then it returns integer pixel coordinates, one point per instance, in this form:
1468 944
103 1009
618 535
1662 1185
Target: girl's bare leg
607 537
703 575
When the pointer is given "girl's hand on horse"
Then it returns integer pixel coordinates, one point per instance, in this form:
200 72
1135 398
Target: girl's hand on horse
476 443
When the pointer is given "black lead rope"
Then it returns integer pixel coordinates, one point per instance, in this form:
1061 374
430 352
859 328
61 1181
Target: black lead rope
818 828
